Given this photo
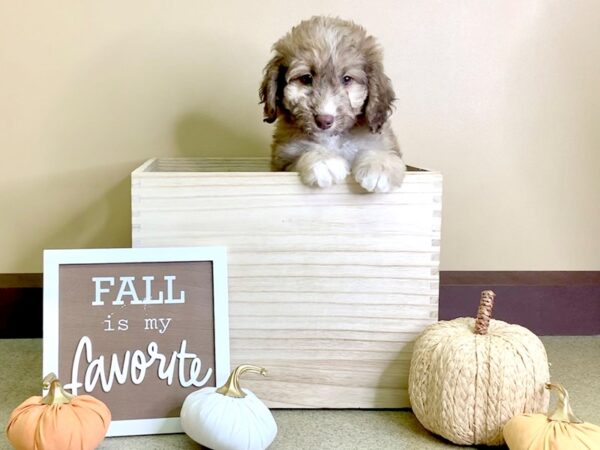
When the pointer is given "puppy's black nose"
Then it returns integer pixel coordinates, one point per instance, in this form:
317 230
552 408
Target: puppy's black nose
324 121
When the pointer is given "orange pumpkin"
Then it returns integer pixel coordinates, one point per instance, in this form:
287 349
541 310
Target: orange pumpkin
58 421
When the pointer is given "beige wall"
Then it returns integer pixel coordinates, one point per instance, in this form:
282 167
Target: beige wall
503 97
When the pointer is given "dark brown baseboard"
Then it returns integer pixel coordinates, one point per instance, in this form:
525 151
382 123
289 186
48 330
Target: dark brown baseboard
547 302
21 299
564 303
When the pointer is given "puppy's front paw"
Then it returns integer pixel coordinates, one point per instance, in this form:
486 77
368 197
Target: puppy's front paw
379 171
322 169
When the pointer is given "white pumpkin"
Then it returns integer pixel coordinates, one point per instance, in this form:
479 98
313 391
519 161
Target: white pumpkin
229 417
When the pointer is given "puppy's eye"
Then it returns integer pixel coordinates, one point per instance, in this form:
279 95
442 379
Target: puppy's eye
306 80
347 80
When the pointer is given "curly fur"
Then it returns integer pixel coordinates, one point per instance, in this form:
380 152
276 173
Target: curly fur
327 91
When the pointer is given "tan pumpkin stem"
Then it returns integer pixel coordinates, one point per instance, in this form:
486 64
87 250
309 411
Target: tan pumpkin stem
484 313
232 387
56 394
563 411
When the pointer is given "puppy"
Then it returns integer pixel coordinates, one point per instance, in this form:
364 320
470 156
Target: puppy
326 88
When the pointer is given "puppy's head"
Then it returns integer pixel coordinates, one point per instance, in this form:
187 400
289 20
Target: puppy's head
326 75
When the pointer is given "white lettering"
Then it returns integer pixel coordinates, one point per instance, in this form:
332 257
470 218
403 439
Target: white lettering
134 367
108 323
127 288
169 279
99 290
123 325
138 367
165 324
148 299
153 324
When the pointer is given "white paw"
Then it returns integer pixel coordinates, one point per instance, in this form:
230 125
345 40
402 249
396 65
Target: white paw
379 171
322 169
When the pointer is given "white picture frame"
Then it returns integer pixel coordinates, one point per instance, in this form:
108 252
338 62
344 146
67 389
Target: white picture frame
55 259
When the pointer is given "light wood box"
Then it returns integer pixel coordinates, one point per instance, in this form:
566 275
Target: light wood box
328 288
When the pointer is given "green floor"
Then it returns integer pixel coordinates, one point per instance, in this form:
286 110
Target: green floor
575 362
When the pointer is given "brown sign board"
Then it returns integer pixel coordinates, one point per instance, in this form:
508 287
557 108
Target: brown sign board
139 329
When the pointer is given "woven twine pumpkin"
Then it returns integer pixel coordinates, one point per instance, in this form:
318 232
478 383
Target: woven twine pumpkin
468 376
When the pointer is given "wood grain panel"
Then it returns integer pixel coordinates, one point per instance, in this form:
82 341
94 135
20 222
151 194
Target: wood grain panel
328 287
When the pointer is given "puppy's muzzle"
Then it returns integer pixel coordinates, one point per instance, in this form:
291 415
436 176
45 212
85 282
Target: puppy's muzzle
324 121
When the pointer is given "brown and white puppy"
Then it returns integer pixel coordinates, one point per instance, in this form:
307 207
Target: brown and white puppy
326 86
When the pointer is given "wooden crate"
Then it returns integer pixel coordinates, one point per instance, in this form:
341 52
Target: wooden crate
327 287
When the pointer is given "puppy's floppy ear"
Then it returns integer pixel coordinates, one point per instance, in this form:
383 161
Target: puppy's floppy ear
271 89
381 95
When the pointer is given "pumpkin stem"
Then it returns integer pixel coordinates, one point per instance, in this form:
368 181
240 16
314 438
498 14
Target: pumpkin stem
484 313
563 412
232 388
56 394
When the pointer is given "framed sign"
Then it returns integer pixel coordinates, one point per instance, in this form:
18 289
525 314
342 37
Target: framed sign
139 329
